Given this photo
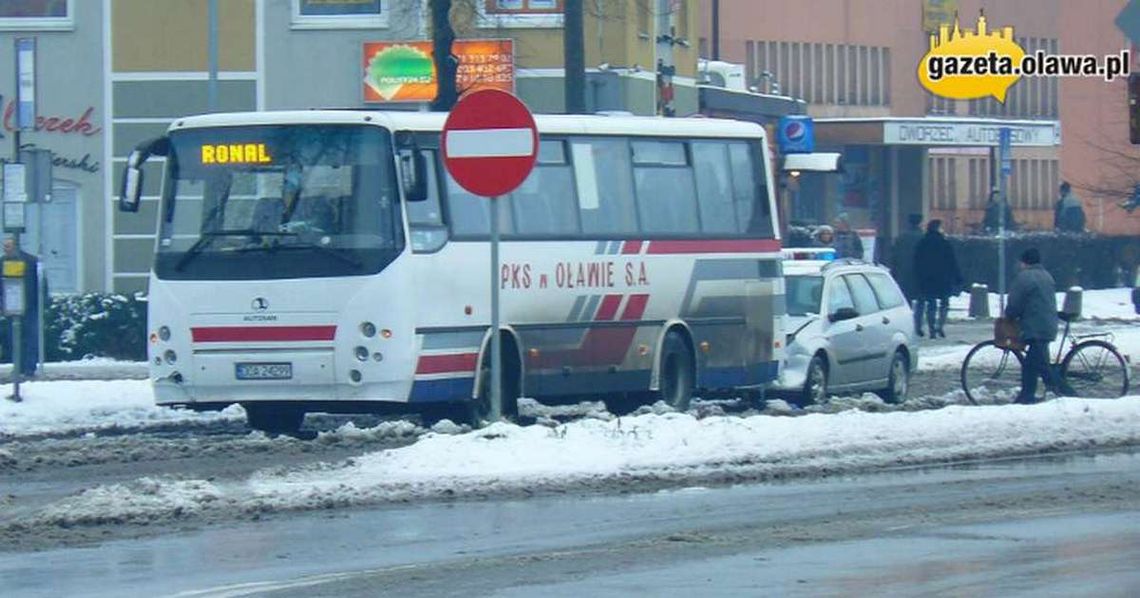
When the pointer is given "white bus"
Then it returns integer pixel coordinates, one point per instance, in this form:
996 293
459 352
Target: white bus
325 261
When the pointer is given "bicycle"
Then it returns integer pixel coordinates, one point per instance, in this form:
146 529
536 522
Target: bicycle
1093 368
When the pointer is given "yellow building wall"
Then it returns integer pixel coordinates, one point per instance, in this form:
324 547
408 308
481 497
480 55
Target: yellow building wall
171 35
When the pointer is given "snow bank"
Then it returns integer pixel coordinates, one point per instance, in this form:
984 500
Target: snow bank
89 405
592 453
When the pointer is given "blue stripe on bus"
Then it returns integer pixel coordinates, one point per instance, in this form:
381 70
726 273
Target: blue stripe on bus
739 376
446 389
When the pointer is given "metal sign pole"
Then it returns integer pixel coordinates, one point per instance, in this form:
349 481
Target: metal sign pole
41 301
17 356
1004 150
496 342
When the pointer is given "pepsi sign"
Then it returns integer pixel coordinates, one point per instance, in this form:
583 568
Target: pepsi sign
795 135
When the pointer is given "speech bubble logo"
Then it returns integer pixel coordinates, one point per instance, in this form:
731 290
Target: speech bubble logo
966 65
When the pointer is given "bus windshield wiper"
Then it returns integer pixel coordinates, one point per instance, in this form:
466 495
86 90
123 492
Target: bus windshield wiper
201 243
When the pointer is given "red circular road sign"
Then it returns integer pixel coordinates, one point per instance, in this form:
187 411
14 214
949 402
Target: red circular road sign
490 142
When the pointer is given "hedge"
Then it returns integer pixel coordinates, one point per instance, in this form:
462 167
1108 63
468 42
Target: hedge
1086 260
90 325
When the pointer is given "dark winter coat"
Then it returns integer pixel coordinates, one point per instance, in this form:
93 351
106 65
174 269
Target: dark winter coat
935 267
1033 303
902 262
992 221
848 244
1069 214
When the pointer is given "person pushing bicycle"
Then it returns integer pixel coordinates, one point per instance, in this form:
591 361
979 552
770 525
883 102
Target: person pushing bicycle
1033 305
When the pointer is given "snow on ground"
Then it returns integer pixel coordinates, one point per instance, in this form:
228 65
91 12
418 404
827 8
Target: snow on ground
61 406
1101 304
844 434
592 453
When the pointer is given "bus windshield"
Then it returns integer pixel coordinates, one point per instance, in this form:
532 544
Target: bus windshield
295 201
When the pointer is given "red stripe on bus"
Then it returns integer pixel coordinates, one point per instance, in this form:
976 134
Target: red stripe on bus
608 309
445 364
714 246
241 334
631 248
635 307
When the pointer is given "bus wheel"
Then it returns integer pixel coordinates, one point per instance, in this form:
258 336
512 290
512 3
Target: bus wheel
677 376
274 419
479 410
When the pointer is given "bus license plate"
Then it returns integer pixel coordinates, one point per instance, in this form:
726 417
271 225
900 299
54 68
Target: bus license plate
264 371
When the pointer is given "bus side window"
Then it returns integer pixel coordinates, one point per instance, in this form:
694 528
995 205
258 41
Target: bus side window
425 218
603 176
749 189
714 187
666 195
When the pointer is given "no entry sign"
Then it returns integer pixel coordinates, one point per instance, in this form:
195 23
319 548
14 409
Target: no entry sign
489 142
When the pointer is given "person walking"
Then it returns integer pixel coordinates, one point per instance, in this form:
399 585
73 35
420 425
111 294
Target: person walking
823 236
30 343
1068 212
902 265
1033 305
847 242
994 208
936 271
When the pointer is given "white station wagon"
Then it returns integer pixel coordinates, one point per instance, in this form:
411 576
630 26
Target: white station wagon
849 329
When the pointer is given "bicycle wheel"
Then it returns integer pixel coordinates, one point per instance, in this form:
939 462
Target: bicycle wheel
1095 370
991 374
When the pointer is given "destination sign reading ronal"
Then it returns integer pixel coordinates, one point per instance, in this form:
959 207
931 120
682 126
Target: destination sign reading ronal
236 153
490 143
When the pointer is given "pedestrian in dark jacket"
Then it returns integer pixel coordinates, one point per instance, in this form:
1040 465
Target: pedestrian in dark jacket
1033 305
847 242
902 264
1068 212
30 343
995 206
938 276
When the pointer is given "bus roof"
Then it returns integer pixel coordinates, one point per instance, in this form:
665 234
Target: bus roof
433 121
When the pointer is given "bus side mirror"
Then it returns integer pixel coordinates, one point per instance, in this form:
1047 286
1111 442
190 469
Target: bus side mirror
413 174
131 193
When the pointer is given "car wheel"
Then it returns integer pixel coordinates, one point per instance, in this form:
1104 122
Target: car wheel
898 380
815 383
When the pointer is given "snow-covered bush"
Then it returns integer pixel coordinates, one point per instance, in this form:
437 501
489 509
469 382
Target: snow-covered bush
91 324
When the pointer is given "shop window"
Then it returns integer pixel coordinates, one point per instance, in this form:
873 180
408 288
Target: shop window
36 15
340 14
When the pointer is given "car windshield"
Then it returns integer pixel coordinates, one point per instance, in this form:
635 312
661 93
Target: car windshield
804 294
278 202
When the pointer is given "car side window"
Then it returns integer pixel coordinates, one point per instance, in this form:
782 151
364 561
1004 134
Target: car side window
865 302
838 295
886 290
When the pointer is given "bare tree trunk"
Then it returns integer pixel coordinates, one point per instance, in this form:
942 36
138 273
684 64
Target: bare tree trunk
446 64
574 48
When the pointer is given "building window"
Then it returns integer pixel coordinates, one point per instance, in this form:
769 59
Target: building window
340 14
520 13
822 73
36 15
523 6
